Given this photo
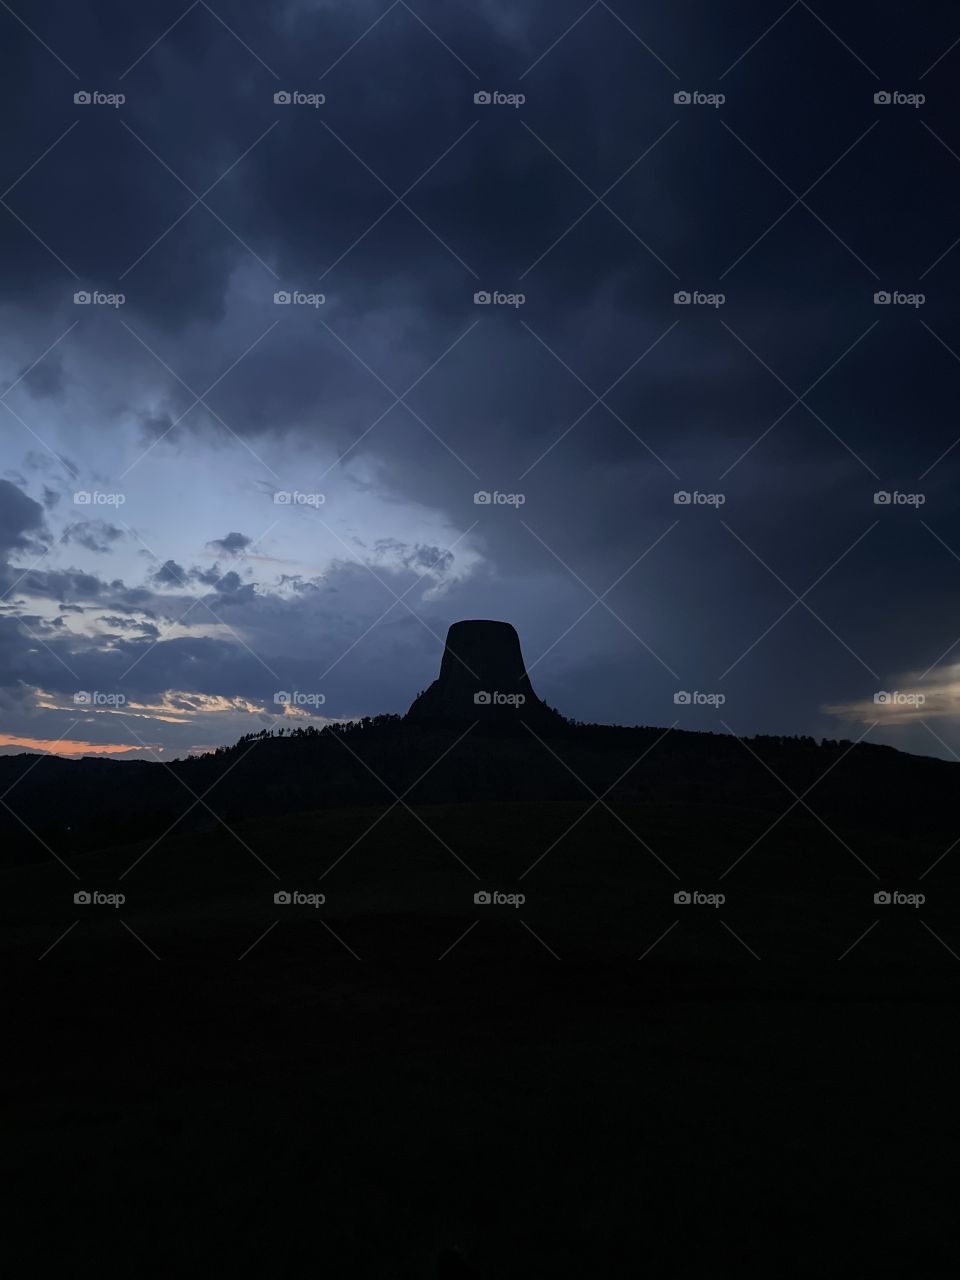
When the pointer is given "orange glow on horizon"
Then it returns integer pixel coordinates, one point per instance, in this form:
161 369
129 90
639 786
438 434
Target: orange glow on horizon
69 747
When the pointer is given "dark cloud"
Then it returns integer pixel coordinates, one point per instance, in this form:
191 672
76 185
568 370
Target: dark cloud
232 544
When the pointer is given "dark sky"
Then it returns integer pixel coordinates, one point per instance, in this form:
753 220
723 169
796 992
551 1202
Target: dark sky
187 589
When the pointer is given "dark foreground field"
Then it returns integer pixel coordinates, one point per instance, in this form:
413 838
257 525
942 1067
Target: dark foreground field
402 1071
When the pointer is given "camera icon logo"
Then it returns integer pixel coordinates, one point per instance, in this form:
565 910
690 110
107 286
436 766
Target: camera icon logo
881 498
882 98
482 698
882 898
682 898
682 298
482 899
681 498
82 98
482 298
882 698
282 699
81 298
282 898
882 298
282 98
482 98
82 699
682 98
282 298
482 498
82 898
682 698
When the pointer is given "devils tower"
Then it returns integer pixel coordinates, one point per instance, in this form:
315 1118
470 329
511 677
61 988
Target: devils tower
483 677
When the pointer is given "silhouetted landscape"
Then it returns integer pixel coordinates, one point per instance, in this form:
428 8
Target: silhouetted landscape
480 638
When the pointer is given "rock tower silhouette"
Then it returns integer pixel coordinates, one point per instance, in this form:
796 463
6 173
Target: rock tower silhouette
483 677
